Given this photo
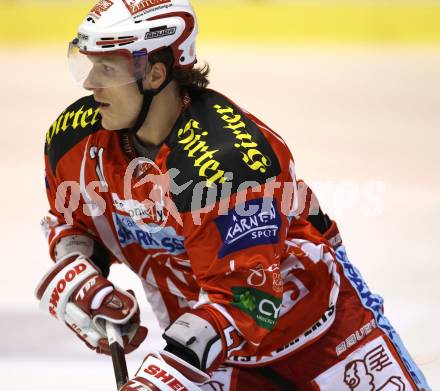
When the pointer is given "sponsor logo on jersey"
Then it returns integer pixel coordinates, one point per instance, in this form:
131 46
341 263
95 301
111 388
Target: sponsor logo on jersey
258 276
148 236
196 148
101 7
264 308
138 211
137 6
72 120
160 32
251 154
256 222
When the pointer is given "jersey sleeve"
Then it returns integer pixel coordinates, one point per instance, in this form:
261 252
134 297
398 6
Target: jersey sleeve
57 223
62 154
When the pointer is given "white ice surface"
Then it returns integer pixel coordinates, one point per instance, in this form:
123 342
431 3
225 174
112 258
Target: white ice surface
352 119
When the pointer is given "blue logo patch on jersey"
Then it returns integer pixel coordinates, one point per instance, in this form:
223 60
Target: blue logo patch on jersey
156 237
253 223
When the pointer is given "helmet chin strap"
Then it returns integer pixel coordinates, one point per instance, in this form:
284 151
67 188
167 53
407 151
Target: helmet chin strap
148 96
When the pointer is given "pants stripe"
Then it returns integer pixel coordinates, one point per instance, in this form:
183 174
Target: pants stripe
374 303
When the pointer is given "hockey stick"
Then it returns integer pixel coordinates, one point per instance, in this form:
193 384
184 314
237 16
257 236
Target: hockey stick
118 356
120 366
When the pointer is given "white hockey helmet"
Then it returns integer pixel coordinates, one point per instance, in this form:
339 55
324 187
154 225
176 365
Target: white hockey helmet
117 36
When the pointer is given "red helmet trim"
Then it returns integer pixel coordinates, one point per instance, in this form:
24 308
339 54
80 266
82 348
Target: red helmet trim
189 27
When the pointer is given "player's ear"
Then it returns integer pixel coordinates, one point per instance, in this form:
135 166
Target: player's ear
156 75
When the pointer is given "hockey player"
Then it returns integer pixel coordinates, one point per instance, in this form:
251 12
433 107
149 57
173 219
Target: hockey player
245 273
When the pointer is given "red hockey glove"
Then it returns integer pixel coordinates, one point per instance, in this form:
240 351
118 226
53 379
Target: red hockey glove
166 372
75 292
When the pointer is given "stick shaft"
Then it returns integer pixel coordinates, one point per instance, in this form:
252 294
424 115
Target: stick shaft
118 356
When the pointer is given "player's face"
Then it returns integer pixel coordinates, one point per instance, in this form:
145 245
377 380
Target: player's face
120 106
115 90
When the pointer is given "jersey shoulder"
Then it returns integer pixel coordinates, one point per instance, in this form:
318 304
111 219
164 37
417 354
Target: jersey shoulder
75 123
214 143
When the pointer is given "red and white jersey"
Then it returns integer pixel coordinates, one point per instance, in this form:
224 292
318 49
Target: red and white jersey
216 223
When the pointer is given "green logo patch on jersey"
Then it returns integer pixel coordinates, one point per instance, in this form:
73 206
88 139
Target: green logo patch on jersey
264 308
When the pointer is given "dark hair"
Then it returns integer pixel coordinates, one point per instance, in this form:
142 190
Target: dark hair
194 78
